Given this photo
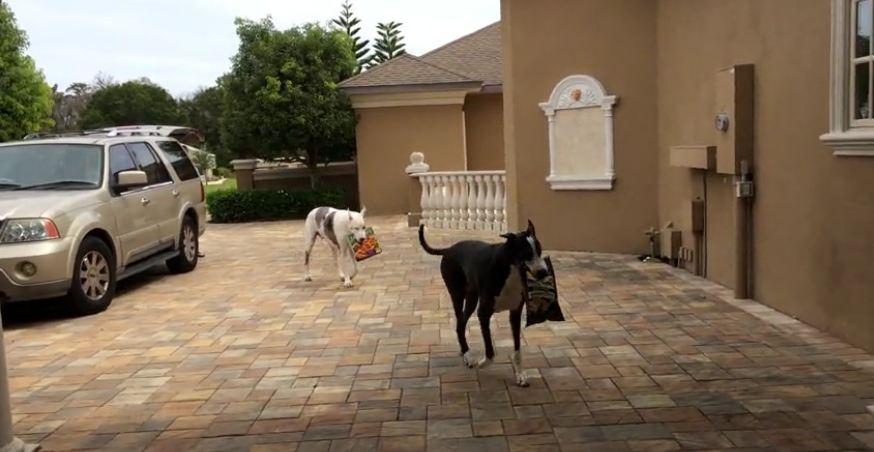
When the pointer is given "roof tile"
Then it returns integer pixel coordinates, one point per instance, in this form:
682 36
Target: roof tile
472 58
477 55
404 70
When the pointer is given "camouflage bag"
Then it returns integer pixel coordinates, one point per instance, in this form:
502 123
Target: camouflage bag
541 297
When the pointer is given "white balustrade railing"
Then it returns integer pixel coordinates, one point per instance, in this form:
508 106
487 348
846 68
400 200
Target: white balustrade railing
465 200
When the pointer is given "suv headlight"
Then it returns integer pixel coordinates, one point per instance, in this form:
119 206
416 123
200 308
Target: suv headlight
28 230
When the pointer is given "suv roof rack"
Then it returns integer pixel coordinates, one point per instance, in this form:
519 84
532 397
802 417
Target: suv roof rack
188 135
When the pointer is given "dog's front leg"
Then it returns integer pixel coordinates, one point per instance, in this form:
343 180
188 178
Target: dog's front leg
354 266
516 358
485 317
347 273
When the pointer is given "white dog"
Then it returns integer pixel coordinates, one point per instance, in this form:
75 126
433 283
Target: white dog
333 225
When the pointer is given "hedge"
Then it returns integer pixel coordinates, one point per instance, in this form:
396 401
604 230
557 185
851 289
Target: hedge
232 206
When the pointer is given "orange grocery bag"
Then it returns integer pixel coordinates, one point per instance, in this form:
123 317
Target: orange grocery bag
365 249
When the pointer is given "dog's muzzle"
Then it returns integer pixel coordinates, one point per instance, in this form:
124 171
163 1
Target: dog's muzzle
538 272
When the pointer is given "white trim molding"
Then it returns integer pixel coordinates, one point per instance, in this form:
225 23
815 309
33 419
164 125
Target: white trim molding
454 97
577 183
576 92
844 139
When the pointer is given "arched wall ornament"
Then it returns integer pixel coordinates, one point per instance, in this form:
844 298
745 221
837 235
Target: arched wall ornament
580 139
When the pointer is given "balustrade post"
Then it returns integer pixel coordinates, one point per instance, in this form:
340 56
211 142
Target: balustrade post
471 202
425 201
446 211
504 227
490 204
480 203
417 198
454 210
436 202
499 202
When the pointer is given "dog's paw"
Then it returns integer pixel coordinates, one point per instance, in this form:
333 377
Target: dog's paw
472 363
522 379
469 360
347 284
308 278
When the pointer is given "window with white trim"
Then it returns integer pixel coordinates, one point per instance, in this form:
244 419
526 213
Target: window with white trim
860 74
851 128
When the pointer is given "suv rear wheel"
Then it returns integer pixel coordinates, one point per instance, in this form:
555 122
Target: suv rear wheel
94 278
189 248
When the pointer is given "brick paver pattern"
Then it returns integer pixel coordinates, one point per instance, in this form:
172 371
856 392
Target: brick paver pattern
242 354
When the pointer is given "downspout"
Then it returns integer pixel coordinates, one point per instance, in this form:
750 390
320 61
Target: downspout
744 248
464 134
704 234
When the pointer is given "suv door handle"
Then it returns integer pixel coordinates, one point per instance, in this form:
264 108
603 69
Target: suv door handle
145 201
175 193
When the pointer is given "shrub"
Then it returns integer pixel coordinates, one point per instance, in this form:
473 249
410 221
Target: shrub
223 172
231 206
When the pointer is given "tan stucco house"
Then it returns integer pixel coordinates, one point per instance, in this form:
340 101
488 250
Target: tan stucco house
706 90
445 104
742 129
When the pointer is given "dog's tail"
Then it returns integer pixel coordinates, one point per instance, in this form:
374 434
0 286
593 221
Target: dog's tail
425 246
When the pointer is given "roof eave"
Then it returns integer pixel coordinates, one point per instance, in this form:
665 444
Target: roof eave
411 88
492 88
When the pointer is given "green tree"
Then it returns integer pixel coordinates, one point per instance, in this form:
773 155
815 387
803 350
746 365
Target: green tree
203 111
389 42
25 97
350 25
281 99
133 102
202 160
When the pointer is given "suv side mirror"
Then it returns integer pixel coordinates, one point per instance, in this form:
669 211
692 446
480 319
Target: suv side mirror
131 179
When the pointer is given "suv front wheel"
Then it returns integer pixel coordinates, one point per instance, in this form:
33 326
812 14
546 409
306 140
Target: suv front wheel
189 248
93 284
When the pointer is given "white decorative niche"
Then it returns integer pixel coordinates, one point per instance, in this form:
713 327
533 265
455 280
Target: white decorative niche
580 115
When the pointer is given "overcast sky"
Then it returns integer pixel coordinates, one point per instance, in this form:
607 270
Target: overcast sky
186 44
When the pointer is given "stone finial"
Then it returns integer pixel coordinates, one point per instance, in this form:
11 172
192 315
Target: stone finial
417 164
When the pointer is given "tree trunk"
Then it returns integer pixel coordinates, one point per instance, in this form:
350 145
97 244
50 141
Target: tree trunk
312 161
315 175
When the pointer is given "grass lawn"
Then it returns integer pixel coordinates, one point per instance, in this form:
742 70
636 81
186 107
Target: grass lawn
228 184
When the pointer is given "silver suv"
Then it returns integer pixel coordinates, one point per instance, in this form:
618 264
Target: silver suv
78 214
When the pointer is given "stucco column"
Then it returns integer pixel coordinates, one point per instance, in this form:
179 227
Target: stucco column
417 166
8 441
244 172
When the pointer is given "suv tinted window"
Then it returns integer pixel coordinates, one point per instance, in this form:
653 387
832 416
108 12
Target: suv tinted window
179 159
119 160
155 170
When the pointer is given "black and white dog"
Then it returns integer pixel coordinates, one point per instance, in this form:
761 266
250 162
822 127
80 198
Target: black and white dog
485 278
333 226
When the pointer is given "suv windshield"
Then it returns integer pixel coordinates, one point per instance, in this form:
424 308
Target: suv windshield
53 166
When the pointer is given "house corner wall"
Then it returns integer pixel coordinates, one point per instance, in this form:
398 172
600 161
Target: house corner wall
613 41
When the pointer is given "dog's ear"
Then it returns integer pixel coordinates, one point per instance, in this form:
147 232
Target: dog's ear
363 211
531 228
